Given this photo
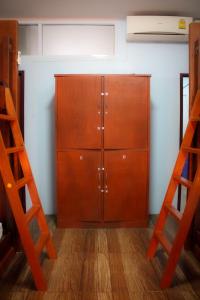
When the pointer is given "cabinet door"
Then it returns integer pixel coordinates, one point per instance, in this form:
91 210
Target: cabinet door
78 186
126 190
126 112
78 111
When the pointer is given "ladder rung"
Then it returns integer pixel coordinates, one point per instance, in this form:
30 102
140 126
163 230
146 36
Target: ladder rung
22 182
14 149
192 150
40 245
174 212
7 117
187 183
163 241
32 212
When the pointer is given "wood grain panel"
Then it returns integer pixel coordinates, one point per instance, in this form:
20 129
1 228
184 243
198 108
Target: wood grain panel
123 115
83 271
194 36
5 62
126 180
9 76
78 182
9 30
194 84
78 112
126 114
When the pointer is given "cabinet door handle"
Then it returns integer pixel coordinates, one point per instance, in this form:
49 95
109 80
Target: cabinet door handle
106 182
100 181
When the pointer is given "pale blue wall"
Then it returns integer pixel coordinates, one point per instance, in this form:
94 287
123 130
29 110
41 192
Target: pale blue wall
164 61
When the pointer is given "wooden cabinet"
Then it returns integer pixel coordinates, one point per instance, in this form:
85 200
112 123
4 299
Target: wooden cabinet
102 145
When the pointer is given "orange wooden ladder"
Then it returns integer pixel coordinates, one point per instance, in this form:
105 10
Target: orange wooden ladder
12 188
184 219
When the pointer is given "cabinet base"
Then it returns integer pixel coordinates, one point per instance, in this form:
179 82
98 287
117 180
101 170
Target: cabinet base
114 224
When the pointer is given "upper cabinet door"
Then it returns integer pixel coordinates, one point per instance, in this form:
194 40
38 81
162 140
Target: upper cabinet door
126 112
79 120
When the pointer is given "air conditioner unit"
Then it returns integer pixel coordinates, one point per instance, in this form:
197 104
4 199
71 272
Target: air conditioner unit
158 29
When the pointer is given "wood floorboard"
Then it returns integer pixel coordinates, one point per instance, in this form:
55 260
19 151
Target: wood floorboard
102 264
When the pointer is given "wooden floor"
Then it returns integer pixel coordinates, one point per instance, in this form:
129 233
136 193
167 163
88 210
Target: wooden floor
102 264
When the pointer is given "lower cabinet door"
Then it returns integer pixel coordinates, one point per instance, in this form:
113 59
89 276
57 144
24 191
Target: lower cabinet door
78 187
126 186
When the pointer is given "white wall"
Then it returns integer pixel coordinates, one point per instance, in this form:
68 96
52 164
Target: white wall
164 61
185 102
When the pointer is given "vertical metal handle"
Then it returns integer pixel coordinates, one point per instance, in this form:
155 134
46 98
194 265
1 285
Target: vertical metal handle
105 102
105 188
106 182
100 181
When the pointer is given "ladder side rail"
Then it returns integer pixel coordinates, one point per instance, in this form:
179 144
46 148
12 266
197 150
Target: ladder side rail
192 201
26 168
191 205
191 127
12 186
41 218
195 112
23 156
15 203
18 139
179 165
17 136
35 200
171 190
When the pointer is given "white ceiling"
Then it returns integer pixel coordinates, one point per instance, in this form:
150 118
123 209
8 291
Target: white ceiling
96 8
